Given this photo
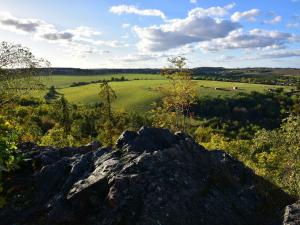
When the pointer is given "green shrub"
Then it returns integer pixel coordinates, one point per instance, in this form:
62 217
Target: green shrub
9 159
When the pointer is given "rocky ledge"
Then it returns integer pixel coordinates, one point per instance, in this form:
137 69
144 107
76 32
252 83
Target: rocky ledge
152 177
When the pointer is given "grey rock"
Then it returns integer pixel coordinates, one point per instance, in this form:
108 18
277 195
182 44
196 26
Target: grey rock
152 177
292 214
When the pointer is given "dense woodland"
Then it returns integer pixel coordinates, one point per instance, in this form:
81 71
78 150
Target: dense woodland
260 129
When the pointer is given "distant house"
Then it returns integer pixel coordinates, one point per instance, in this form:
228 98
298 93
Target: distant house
235 88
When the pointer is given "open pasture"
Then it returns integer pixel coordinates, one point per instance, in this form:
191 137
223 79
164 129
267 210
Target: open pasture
141 89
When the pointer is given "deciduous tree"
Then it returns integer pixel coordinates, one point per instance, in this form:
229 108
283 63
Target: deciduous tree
19 71
179 95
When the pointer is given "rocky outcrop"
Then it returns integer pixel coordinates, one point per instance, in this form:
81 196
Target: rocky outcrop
153 177
292 214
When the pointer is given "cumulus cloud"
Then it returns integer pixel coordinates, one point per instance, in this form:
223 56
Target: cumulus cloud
198 26
212 11
193 1
41 29
22 25
255 38
130 9
80 40
249 15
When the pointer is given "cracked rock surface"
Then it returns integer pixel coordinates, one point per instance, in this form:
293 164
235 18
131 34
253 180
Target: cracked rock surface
152 177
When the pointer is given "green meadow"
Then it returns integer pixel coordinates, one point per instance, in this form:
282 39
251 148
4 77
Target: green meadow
141 89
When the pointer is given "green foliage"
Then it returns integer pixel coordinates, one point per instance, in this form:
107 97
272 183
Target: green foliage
178 96
57 137
203 134
243 115
8 141
273 154
277 154
63 113
107 96
9 159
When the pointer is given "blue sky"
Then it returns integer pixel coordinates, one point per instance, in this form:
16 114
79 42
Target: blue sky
144 33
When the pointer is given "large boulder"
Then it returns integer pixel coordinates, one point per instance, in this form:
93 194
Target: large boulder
153 177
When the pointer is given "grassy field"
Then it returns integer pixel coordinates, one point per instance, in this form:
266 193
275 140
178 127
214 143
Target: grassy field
139 94
63 81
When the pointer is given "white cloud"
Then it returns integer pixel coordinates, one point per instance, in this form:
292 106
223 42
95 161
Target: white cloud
84 31
282 54
130 9
212 11
225 58
126 25
276 19
198 26
293 25
112 44
79 40
277 54
135 58
22 25
193 1
41 29
255 38
249 15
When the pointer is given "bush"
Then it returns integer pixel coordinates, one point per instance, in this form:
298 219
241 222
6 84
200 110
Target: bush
9 159
8 145
57 137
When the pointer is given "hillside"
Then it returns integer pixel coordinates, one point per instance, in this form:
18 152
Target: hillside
151 177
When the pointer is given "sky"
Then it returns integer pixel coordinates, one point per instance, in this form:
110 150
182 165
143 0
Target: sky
144 33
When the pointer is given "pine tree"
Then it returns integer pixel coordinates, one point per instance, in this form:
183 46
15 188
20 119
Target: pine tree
107 96
63 112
